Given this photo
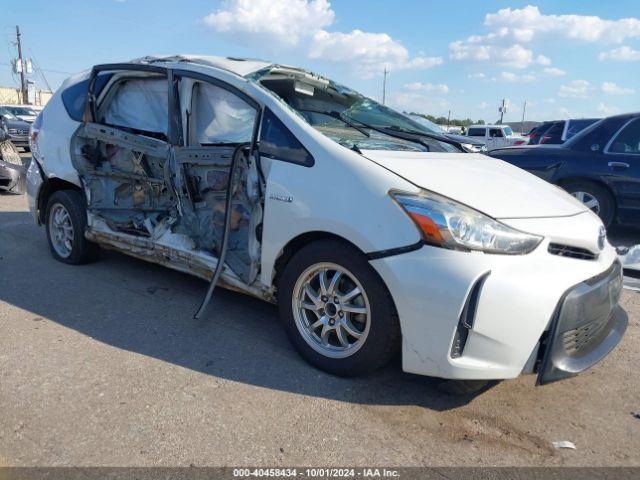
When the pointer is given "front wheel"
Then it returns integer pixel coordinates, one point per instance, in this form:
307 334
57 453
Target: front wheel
336 310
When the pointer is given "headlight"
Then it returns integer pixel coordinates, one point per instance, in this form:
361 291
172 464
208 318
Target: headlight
470 147
449 224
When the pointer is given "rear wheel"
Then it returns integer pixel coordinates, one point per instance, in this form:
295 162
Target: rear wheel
336 310
594 197
66 220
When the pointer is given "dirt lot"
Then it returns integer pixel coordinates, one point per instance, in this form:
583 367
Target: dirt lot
104 365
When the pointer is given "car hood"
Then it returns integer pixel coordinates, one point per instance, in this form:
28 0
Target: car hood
463 139
491 186
21 124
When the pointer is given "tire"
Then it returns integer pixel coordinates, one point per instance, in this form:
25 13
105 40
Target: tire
587 190
67 208
379 329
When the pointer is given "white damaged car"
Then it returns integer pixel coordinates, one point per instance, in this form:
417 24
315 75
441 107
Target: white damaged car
371 233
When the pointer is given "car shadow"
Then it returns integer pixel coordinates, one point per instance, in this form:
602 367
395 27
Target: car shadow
148 309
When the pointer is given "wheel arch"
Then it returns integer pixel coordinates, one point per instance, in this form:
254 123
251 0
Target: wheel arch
49 187
594 181
301 241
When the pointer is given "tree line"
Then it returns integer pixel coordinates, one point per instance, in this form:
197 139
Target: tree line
452 122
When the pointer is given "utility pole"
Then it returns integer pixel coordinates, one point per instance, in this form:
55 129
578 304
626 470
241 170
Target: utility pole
524 109
23 66
448 120
384 86
503 109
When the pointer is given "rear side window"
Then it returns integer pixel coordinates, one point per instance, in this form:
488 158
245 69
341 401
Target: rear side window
628 140
576 126
277 142
140 105
476 132
74 97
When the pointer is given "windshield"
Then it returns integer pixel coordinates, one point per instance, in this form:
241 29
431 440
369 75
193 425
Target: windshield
346 116
21 110
6 113
428 124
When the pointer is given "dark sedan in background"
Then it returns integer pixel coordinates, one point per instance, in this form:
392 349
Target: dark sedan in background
16 130
600 166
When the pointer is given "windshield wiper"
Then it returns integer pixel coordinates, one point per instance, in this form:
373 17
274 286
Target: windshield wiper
337 116
435 136
385 131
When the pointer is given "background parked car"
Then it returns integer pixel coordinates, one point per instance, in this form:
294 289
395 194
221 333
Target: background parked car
468 143
535 133
12 170
600 166
562 130
17 130
23 112
495 136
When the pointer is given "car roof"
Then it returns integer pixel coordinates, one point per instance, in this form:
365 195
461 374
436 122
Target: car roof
488 126
239 66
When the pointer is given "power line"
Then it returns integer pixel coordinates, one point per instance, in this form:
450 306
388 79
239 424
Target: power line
37 67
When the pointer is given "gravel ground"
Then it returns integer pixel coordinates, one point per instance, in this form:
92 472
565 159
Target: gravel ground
103 364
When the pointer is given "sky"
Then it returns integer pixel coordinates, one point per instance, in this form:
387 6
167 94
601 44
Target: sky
570 58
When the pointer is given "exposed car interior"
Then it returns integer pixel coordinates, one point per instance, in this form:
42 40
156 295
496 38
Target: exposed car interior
147 191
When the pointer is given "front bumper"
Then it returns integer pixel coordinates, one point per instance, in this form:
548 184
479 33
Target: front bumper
588 324
21 141
514 303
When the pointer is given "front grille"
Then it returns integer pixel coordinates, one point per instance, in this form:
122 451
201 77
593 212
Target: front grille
571 252
18 131
579 338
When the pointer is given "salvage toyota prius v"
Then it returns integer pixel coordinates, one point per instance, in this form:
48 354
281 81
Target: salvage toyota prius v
372 234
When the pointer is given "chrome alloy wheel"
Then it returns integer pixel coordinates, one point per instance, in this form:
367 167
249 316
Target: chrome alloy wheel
331 310
61 230
588 200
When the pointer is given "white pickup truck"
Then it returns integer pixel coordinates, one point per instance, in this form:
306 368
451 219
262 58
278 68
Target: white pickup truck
495 136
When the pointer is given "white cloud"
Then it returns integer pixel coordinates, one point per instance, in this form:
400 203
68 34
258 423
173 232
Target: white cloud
476 76
483 105
515 56
371 52
622 54
427 87
525 24
554 72
285 21
512 77
302 25
606 109
512 31
614 89
575 89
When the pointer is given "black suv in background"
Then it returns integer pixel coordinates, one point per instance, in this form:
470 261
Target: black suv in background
600 166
